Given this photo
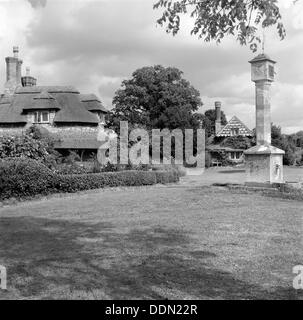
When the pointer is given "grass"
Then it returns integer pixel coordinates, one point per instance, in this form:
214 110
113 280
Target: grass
171 242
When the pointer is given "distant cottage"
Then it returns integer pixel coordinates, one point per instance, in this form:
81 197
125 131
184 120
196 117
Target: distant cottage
218 148
74 119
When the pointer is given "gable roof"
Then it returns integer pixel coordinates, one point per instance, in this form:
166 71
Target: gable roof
65 99
235 123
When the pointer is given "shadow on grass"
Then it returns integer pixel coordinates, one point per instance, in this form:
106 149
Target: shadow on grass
58 258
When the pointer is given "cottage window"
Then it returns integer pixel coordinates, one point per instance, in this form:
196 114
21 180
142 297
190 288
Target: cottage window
235 132
235 155
41 117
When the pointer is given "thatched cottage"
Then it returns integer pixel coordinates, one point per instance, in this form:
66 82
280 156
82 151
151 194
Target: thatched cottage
74 119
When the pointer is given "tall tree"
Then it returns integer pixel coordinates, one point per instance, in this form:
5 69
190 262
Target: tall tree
156 98
215 19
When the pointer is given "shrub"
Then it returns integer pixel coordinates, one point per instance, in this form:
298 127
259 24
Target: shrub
72 157
32 145
166 176
208 160
21 177
22 146
74 168
73 183
237 142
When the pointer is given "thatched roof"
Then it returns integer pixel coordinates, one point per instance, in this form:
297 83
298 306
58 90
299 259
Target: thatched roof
92 103
65 99
9 113
43 101
73 111
49 89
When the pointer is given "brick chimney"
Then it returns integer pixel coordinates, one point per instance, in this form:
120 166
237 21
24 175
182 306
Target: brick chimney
28 80
218 105
13 72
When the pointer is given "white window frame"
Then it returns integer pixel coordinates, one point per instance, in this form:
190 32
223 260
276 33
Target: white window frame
38 116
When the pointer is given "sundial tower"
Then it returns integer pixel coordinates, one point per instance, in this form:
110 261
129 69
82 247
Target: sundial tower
264 163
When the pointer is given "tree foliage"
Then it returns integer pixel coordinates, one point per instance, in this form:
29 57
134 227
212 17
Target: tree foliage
22 146
237 142
215 19
285 143
209 121
156 97
34 144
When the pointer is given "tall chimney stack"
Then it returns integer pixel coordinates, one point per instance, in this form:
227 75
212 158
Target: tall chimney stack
16 52
13 72
218 105
28 80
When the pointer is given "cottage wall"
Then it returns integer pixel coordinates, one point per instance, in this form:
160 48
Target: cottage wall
12 130
75 132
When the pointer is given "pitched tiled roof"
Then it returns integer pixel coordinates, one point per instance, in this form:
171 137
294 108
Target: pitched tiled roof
67 99
92 103
235 123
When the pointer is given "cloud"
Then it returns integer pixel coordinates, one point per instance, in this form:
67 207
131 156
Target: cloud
95 44
37 3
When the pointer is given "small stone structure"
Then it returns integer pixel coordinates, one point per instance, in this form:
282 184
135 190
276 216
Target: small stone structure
264 163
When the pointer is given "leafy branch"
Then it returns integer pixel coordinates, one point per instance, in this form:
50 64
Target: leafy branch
216 19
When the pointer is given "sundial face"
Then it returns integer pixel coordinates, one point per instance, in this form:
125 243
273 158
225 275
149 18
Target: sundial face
258 71
263 70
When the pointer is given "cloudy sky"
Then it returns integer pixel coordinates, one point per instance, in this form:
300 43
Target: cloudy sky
95 44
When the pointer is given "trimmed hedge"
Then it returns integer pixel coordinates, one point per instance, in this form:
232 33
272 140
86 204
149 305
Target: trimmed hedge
74 183
23 177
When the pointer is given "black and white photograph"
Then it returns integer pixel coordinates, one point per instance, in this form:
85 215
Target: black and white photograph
151 153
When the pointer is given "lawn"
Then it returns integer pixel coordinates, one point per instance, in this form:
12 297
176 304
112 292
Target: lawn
161 242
